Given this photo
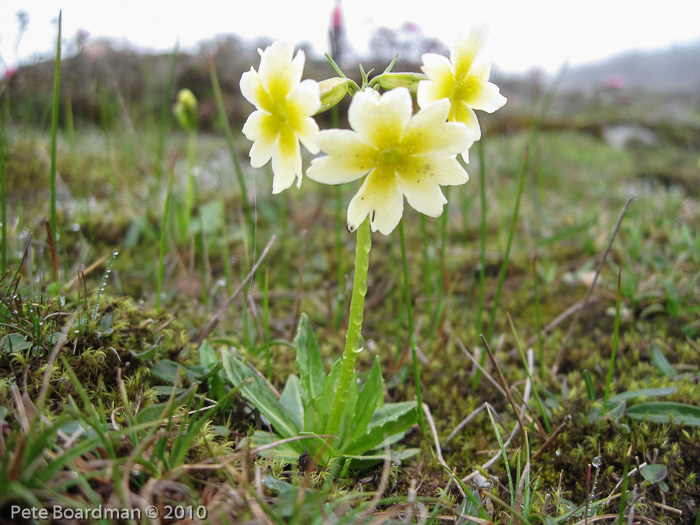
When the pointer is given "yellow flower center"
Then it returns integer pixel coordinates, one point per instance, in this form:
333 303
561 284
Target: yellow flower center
465 89
390 158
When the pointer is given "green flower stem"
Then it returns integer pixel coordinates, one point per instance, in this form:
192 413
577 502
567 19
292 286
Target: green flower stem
412 338
191 182
3 200
352 339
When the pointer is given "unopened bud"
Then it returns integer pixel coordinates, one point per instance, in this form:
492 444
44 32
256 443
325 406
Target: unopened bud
185 109
389 81
333 90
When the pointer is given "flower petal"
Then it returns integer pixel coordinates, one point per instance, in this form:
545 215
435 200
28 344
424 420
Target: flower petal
261 129
428 134
305 97
489 98
250 87
423 194
379 197
465 52
448 171
460 112
350 158
441 79
275 74
286 161
334 170
307 131
380 122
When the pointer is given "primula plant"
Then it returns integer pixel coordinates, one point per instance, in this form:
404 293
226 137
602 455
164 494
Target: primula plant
394 153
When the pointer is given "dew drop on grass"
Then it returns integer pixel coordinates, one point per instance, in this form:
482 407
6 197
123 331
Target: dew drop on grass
360 344
558 452
597 461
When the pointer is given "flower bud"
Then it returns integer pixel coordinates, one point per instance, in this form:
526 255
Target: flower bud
389 81
185 109
333 91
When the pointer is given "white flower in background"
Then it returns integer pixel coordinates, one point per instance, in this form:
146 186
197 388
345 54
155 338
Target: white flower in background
400 154
284 106
463 80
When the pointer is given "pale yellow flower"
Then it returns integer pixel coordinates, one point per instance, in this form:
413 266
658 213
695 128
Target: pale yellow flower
463 80
284 107
401 155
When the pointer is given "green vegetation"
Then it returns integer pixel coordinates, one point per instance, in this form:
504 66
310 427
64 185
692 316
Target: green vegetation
115 379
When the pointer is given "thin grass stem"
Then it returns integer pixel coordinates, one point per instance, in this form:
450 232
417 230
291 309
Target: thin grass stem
411 330
611 366
504 265
482 237
164 117
232 148
163 241
54 129
538 318
3 199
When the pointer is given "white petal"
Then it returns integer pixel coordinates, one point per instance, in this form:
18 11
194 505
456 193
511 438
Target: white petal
307 131
274 66
465 52
381 122
261 152
349 157
250 83
428 133
334 170
262 137
437 67
426 93
379 197
448 171
423 195
343 142
286 161
306 97
296 68
464 114
489 98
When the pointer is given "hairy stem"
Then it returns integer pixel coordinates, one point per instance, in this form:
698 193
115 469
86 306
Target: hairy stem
352 339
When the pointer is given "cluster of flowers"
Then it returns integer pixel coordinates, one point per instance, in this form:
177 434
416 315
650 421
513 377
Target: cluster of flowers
398 153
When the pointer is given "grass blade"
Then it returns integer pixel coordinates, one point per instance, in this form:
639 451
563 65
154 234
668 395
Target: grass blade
54 127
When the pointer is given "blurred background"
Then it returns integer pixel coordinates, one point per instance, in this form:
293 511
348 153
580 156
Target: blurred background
609 49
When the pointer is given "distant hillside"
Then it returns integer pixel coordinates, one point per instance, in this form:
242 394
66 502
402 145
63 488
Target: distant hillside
671 70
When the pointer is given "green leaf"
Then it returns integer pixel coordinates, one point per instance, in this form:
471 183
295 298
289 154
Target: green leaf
329 389
313 421
309 361
146 354
151 413
661 412
659 359
398 419
260 396
14 343
644 392
291 401
165 370
289 452
162 390
654 473
207 355
371 397
590 389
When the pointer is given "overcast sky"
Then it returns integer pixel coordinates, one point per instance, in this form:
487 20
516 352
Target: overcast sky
523 34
